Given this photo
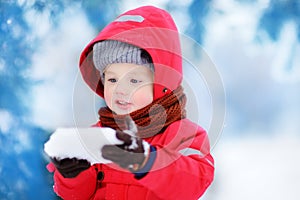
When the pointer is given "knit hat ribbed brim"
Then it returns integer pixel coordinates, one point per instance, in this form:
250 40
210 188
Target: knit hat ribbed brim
111 51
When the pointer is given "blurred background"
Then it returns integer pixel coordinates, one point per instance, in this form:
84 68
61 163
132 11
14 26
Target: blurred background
254 46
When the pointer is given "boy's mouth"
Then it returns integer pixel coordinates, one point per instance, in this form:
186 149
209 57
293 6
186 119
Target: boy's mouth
123 104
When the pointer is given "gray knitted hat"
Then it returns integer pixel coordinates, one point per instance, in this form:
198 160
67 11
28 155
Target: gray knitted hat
111 51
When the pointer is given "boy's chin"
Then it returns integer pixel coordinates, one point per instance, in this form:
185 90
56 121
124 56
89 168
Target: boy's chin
121 112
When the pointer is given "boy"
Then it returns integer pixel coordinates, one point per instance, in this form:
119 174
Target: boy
135 64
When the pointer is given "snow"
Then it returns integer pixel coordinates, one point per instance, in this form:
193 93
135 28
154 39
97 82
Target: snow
134 4
256 168
81 143
6 121
246 168
23 141
285 62
55 68
2 65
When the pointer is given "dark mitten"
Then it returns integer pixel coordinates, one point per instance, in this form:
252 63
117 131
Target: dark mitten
70 167
130 155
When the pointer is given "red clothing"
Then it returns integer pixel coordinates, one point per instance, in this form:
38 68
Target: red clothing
183 167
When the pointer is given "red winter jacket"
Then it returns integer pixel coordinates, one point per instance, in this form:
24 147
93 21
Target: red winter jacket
183 168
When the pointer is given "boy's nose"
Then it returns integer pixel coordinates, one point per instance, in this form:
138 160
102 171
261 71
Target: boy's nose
122 89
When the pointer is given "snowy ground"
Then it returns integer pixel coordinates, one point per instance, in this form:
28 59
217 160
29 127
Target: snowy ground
256 168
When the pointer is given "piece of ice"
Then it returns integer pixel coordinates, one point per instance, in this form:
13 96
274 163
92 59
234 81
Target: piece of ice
81 143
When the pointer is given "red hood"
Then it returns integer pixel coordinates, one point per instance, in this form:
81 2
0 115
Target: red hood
147 27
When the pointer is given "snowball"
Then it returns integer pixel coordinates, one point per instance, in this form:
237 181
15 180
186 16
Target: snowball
81 143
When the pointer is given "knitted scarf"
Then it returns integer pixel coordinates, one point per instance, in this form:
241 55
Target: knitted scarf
151 119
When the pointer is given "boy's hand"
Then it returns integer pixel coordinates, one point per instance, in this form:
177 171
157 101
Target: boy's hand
70 167
132 154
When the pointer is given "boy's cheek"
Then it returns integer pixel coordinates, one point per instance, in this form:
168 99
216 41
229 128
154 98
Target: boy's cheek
142 98
107 98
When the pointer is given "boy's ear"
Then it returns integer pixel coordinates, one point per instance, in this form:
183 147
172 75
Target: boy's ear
130 126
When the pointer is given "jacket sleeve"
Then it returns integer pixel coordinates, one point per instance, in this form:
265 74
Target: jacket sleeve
72 188
183 165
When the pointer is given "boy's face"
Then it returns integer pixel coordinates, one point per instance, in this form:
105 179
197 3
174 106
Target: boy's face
127 87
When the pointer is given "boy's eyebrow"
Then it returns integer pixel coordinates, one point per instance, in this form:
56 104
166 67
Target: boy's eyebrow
108 72
137 74
129 73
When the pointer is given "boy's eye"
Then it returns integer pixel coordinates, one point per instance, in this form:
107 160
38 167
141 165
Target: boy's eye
134 81
112 80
